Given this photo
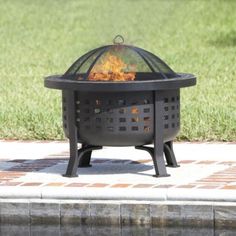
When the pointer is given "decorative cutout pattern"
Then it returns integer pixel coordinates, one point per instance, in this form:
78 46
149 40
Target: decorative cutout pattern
104 115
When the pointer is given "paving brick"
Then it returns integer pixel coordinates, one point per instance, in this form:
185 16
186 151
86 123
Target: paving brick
32 184
76 185
186 186
165 186
11 174
3 180
120 185
98 185
227 163
206 162
143 185
212 180
208 186
11 183
229 187
186 161
54 184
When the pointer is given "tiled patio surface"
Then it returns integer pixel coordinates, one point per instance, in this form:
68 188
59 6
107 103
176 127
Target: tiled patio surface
40 165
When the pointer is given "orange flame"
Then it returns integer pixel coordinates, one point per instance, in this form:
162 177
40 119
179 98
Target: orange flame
111 68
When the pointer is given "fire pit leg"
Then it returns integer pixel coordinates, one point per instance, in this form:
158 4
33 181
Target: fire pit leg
170 155
73 138
86 152
158 158
150 150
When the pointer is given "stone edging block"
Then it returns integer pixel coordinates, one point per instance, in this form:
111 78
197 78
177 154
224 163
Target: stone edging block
143 213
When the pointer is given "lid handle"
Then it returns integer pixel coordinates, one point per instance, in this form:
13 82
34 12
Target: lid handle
118 39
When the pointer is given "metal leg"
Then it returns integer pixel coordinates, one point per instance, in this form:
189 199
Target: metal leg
73 140
85 155
157 152
170 155
158 159
150 150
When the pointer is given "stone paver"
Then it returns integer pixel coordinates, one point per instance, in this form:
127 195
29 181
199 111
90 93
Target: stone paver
31 182
41 164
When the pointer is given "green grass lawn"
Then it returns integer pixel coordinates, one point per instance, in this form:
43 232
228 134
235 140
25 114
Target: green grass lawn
43 37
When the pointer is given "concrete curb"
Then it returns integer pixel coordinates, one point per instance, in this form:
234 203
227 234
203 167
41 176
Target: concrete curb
145 213
152 194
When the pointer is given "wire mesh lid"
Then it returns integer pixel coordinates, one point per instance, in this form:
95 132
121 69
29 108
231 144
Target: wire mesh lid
119 62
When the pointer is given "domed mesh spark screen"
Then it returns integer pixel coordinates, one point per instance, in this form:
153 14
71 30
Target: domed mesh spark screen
119 62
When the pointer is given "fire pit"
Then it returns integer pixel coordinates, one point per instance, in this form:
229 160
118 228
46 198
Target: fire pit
120 95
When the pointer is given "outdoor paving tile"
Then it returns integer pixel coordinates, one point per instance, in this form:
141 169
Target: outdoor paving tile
11 173
76 185
5 179
224 173
229 187
186 186
227 162
98 185
165 186
206 162
216 180
120 185
54 184
143 185
11 183
186 161
32 184
208 186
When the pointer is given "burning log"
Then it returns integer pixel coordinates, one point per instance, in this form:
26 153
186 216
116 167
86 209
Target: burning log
111 68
